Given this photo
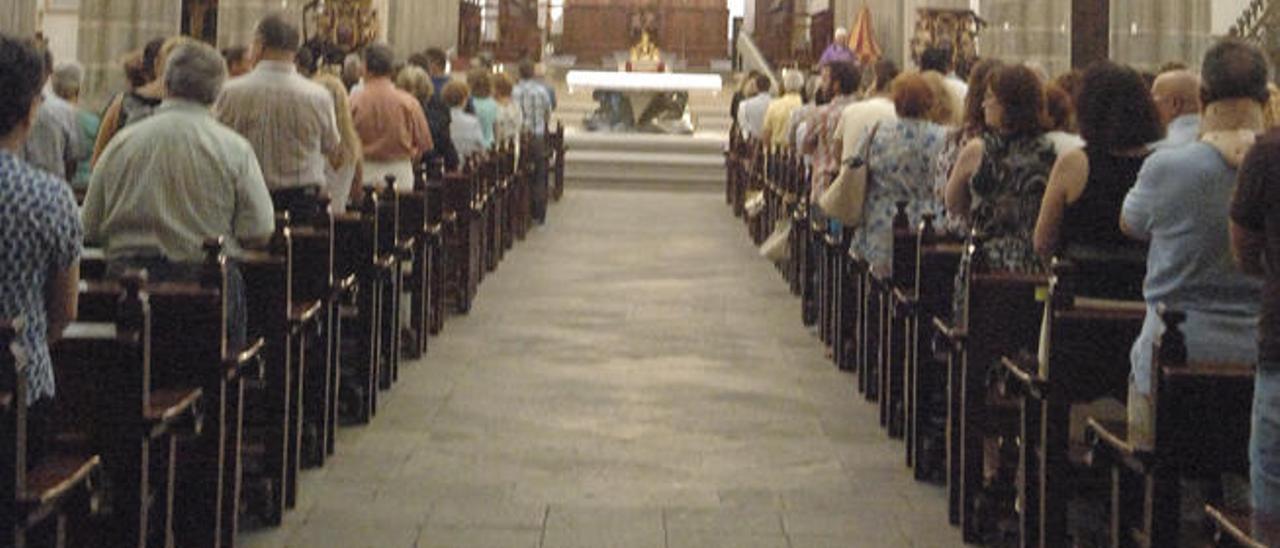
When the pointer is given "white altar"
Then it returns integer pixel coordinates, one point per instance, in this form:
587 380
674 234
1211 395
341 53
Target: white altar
653 102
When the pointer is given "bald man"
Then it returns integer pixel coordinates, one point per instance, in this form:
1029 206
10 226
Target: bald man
1177 97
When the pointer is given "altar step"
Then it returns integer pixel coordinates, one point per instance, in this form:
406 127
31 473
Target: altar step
644 160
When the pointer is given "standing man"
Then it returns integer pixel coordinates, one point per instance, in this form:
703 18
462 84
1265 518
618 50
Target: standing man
288 119
437 68
780 109
1177 97
390 122
170 182
838 51
535 112
1255 238
55 144
751 112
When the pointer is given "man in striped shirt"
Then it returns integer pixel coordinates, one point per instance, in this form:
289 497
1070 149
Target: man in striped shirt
535 111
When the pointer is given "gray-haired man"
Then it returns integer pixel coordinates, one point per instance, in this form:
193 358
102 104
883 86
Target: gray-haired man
167 184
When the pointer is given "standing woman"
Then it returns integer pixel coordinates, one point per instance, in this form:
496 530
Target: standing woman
344 169
899 167
481 83
1118 120
135 105
1000 177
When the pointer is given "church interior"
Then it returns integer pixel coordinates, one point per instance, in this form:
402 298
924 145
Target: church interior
639 273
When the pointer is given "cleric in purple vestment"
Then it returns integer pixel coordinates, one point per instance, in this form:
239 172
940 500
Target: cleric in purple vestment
838 50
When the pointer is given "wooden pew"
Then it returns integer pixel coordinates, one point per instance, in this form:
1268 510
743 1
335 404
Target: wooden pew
1201 430
397 253
42 503
355 235
893 298
866 326
1000 316
935 265
414 230
311 317
116 400
1088 358
462 238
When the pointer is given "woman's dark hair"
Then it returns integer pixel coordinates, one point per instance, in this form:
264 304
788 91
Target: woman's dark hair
975 121
480 82
1114 108
22 75
1233 69
1021 95
149 54
885 72
846 76
1060 107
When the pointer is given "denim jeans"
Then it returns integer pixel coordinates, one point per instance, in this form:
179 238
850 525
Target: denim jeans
1264 444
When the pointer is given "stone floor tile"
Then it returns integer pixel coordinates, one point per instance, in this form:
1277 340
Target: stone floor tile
736 521
724 540
467 537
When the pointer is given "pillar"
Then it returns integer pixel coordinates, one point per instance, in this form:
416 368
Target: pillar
18 17
416 25
110 29
1150 33
1032 31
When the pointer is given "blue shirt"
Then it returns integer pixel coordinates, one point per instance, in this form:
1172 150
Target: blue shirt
40 234
1182 201
1182 130
487 112
535 105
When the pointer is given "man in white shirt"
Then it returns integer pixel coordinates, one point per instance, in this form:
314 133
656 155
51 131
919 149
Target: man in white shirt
55 143
858 119
289 120
751 111
938 59
166 184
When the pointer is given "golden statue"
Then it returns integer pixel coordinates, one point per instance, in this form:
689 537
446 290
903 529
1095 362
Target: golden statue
645 50
347 24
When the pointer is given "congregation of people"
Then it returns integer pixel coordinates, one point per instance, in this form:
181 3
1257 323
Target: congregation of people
1161 186
204 144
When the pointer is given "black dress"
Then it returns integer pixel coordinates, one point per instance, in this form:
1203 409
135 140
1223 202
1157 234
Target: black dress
438 120
1108 263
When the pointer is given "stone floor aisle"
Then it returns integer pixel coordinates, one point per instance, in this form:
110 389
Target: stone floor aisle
632 376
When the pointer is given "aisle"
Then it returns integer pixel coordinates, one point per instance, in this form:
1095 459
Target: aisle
633 376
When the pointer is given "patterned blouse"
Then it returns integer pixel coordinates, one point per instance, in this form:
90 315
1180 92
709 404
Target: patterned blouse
40 233
1006 193
900 168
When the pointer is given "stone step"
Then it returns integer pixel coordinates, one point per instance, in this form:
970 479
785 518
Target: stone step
610 167
702 142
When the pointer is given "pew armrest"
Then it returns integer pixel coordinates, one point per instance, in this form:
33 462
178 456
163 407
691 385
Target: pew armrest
385 263
404 248
1239 526
6 401
248 363
1109 440
174 410
304 313
956 335
1020 376
55 476
343 286
906 300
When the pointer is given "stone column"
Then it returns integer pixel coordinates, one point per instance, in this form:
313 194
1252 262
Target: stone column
1032 31
416 25
1150 33
238 18
18 17
109 29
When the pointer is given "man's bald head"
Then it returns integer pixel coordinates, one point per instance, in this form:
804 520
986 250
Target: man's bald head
1176 93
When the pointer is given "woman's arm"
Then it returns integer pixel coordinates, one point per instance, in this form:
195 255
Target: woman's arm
1066 184
62 293
967 163
110 124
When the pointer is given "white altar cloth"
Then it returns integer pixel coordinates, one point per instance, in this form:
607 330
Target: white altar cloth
642 81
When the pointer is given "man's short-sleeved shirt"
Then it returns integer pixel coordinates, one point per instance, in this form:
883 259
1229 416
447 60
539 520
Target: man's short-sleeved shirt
777 116
289 120
1256 208
55 139
166 184
535 105
751 114
40 234
390 122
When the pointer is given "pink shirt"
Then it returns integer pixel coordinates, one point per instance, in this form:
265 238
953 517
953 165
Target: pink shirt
390 122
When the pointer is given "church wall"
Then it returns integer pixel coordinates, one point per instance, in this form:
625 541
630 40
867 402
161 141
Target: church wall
1149 33
416 25
108 29
18 17
62 28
